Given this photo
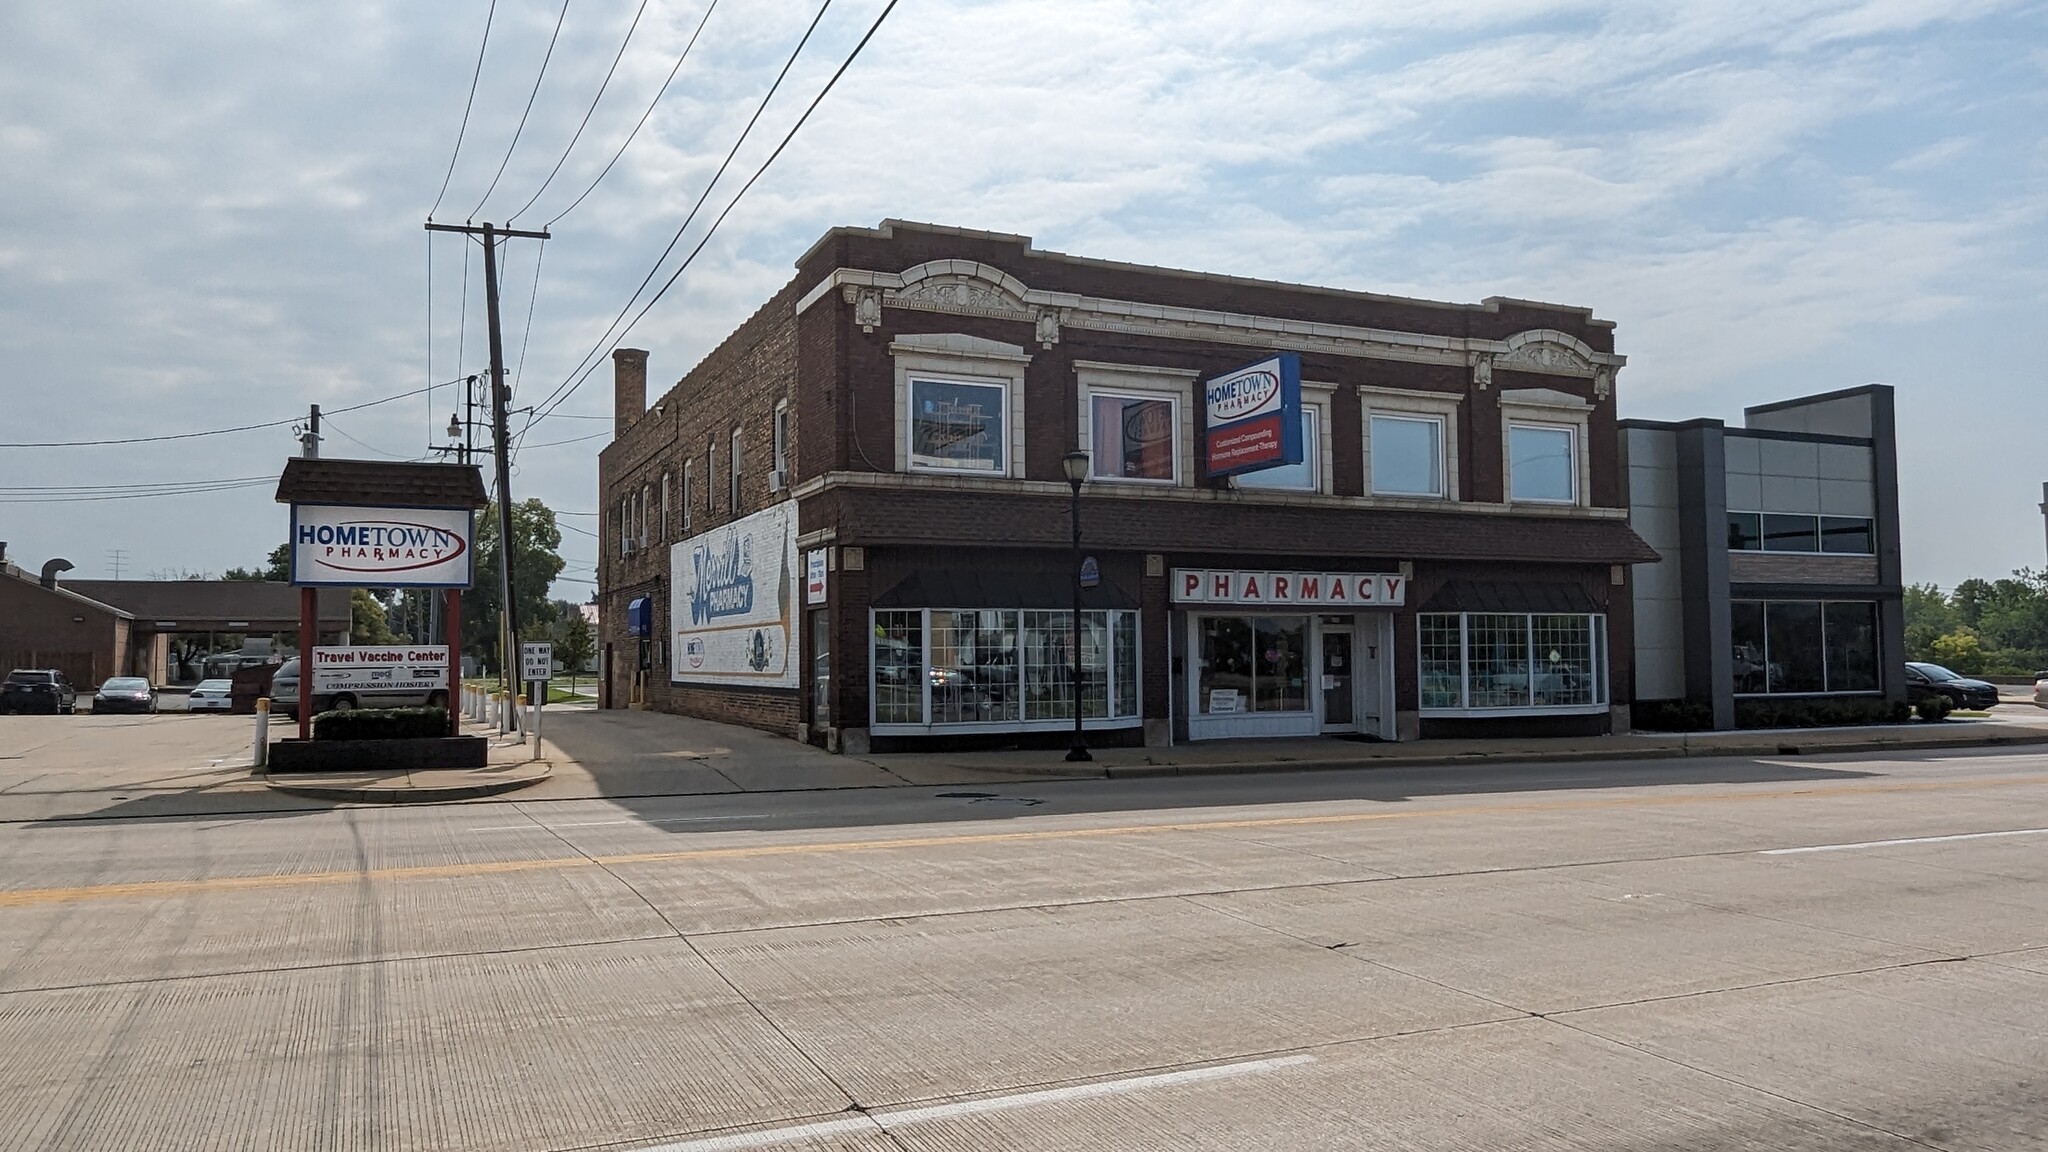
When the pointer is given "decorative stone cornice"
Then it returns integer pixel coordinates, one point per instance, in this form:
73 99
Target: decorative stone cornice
970 288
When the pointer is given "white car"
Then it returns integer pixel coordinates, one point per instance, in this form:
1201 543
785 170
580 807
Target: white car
211 696
2041 689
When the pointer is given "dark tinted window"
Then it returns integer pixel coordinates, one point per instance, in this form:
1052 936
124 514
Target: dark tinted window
1852 647
1847 534
1791 533
1746 630
28 678
1745 532
1797 662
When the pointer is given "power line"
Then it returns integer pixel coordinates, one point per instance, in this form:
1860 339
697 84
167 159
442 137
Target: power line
519 373
577 440
187 490
80 489
460 132
215 431
543 412
606 83
643 116
514 146
595 350
327 422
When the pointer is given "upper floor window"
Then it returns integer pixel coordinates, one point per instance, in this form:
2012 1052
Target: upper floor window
1134 436
959 425
782 442
1306 476
1543 463
689 468
1800 532
662 532
1407 455
733 474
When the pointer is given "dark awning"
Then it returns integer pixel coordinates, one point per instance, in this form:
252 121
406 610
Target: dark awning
400 484
996 588
1516 596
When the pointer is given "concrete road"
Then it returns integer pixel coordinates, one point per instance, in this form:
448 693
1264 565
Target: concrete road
1807 953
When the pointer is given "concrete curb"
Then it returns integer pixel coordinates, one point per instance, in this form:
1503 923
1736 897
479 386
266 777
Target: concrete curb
309 785
1788 746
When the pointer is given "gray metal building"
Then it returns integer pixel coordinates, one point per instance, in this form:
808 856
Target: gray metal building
1780 572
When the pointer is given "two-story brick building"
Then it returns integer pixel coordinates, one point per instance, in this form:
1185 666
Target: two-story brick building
850 523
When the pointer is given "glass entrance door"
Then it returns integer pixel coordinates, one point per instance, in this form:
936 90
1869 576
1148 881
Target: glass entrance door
1339 674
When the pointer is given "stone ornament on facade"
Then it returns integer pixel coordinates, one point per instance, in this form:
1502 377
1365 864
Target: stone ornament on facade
1482 372
1048 327
1603 382
960 294
867 307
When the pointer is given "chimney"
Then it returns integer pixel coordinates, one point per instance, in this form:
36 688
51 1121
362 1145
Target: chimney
629 388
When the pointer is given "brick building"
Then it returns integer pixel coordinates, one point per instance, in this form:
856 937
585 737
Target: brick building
850 522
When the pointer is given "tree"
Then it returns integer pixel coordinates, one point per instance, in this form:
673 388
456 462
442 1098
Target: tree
1928 617
536 561
278 568
1960 651
366 622
574 644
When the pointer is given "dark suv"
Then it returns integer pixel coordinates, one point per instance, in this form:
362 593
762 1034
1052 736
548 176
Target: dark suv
37 690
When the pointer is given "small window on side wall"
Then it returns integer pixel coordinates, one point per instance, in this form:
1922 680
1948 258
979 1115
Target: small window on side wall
1745 532
1133 437
958 426
1543 464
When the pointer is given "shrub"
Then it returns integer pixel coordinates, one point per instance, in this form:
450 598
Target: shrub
1934 708
1817 713
1671 716
381 724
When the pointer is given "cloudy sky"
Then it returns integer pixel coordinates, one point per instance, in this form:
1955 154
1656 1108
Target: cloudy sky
210 211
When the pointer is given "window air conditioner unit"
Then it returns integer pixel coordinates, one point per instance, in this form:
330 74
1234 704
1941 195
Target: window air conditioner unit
778 480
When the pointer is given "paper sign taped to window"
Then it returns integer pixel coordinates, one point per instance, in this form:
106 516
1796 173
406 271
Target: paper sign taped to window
1224 700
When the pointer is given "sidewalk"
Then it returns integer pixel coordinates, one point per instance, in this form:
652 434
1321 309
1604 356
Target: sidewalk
1233 756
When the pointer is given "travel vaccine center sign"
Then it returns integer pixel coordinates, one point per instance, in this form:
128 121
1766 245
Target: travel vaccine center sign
380 668
1252 417
352 547
732 594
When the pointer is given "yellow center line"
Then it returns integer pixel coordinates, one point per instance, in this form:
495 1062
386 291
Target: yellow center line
30 897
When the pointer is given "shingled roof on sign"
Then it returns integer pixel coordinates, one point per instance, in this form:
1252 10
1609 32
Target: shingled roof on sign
380 483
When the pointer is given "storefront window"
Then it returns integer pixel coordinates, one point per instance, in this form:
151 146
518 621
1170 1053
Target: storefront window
957 426
1443 661
1133 437
1793 646
1253 664
974 667
1002 666
821 667
1512 660
899 667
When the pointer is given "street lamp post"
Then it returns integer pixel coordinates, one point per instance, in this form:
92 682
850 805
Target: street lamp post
1075 464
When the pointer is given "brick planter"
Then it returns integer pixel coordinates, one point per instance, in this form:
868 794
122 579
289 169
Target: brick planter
379 755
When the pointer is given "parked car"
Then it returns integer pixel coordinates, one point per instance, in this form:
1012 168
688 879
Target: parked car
2041 689
38 690
1924 680
284 696
124 694
211 696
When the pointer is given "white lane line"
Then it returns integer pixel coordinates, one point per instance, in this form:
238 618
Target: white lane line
1910 840
899 1116
608 823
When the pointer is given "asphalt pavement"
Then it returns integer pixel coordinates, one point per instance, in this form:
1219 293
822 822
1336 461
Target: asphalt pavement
1798 952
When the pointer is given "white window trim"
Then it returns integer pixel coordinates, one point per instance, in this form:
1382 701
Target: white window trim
1138 382
1316 397
733 474
1547 408
1575 433
965 360
689 513
781 437
1405 403
666 478
1602 643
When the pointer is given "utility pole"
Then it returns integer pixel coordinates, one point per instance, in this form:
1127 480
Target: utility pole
508 624
309 440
